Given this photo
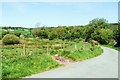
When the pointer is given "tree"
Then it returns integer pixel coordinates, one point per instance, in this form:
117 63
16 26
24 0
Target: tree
99 23
36 32
102 35
41 33
117 36
52 35
60 32
88 30
93 25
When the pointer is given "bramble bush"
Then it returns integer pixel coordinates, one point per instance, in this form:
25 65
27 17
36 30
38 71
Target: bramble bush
10 39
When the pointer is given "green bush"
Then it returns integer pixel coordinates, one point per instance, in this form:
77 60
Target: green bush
102 35
10 39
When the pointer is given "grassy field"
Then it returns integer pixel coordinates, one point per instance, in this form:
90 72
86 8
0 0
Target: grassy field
20 66
35 55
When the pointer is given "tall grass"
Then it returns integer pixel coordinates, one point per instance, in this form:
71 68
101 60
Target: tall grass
38 57
84 54
20 66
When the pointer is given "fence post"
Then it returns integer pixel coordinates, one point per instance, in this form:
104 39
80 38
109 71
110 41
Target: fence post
24 47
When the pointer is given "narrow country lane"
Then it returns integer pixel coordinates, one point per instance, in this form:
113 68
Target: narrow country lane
103 66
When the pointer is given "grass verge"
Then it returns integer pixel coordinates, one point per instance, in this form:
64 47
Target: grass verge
116 48
80 55
20 66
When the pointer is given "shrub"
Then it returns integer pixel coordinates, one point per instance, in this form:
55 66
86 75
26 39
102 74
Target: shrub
52 36
10 39
102 35
93 42
41 33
